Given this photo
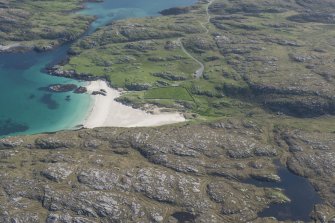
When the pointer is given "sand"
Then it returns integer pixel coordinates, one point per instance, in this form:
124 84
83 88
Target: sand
106 112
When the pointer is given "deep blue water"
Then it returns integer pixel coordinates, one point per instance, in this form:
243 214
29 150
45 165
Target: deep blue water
24 108
301 193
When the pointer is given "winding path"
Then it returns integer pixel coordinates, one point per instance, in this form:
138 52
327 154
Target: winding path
210 2
200 72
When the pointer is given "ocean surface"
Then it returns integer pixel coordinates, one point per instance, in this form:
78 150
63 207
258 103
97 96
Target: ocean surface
25 108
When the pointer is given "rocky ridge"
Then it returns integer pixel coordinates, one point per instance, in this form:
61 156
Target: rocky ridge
150 174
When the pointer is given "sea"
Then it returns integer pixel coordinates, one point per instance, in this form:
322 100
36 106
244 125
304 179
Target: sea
26 107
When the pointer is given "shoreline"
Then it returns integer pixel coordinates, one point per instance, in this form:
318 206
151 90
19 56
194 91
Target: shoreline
106 112
12 48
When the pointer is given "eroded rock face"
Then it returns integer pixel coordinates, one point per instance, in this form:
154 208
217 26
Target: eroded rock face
165 175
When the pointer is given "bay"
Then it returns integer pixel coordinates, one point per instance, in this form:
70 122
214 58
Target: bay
25 108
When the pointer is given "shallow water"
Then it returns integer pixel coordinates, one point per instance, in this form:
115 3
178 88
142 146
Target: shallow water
24 108
22 102
120 9
298 189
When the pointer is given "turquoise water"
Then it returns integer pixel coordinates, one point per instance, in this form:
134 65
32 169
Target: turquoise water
25 108
108 11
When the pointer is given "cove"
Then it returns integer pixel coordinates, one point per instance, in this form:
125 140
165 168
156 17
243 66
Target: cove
25 108
301 193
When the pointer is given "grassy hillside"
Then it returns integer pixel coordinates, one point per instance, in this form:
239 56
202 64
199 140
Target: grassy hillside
41 25
274 55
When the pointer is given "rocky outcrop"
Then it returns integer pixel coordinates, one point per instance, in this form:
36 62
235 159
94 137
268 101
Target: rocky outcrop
170 76
57 172
142 174
313 17
62 88
137 86
54 143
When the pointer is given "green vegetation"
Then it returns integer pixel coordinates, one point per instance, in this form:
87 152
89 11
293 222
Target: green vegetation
177 93
41 25
255 58
261 59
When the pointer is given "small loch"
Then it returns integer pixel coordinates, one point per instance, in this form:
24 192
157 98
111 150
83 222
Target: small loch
301 193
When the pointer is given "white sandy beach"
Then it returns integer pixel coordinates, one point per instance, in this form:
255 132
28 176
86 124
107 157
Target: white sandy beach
106 112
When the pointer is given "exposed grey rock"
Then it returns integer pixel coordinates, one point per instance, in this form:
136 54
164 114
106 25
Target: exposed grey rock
270 152
266 177
54 143
240 153
25 217
103 180
11 142
57 172
92 144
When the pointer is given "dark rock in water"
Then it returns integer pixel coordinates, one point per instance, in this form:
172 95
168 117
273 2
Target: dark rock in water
68 98
47 99
99 93
8 126
62 87
80 90
174 11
